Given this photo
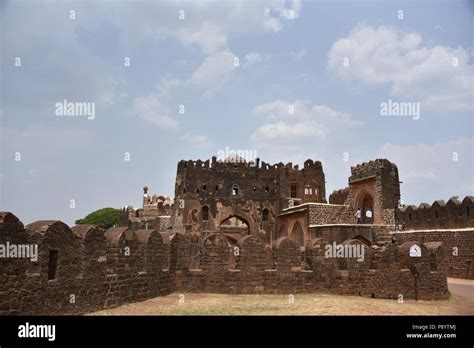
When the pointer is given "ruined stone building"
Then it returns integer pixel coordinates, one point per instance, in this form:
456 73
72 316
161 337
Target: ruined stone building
244 227
237 198
155 213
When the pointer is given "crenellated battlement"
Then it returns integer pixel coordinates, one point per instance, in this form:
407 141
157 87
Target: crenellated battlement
371 168
239 164
105 269
453 214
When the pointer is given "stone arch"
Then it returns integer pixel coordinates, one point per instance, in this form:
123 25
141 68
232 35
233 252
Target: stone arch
282 232
297 234
215 239
365 202
362 240
234 226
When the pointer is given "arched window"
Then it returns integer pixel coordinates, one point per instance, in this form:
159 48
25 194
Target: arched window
205 213
293 191
265 215
235 190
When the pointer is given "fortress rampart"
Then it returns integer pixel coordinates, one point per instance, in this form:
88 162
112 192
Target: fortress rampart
84 269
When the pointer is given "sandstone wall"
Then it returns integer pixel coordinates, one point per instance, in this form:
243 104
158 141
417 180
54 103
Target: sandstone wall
458 248
79 270
84 269
373 234
454 214
384 273
322 214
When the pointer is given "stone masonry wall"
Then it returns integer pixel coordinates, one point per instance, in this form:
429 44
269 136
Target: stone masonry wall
454 214
85 269
458 248
373 234
322 214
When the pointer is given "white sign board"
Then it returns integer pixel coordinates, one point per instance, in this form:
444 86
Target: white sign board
415 251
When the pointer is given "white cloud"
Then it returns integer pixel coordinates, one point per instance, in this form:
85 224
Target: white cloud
75 71
165 86
255 57
387 55
429 171
214 71
281 130
208 25
208 37
288 121
298 55
196 139
35 139
55 64
152 109
276 12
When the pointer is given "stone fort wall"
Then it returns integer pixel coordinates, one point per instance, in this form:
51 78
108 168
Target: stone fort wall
451 223
458 248
454 214
84 269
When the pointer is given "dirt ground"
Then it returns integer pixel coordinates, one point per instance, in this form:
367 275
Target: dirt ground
460 303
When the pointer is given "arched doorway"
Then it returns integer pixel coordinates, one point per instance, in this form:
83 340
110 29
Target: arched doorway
366 205
234 227
297 234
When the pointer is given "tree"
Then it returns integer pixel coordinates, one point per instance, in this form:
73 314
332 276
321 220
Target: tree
104 218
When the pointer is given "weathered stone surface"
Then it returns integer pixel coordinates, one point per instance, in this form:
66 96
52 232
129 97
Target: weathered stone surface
230 230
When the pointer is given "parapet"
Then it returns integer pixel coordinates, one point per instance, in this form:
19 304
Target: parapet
453 214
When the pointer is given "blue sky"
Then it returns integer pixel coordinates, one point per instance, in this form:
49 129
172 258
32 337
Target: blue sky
290 54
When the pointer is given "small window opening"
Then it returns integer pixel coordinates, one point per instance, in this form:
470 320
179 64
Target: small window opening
265 215
235 190
293 191
53 264
205 213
